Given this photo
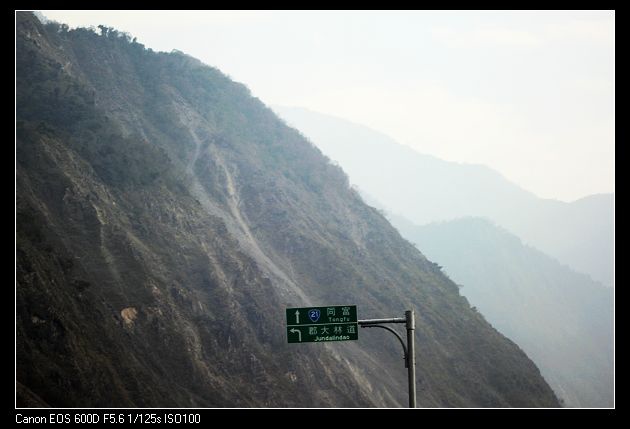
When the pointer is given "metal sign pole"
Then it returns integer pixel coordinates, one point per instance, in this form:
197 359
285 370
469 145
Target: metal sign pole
409 351
411 357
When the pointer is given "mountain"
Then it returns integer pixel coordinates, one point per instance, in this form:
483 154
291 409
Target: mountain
562 319
426 189
165 219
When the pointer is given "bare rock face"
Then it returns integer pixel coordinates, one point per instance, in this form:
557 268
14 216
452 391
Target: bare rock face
165 219
128 315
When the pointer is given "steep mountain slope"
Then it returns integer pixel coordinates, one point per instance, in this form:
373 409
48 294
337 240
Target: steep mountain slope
426 189
563 320
165 219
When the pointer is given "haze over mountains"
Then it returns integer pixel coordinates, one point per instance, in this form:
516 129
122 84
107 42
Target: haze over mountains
165 220
561 318
579 234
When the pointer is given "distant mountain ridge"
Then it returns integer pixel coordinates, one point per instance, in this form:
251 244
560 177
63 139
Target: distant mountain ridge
426 189
563 320
165 218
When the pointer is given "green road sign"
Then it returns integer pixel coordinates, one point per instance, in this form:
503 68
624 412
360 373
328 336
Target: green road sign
321 315
316 324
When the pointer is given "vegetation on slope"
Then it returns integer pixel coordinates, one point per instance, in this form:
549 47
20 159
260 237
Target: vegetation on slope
166 218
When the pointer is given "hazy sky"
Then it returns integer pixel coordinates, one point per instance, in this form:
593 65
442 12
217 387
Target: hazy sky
530 94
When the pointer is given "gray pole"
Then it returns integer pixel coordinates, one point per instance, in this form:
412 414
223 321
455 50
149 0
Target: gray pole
410 351
411 357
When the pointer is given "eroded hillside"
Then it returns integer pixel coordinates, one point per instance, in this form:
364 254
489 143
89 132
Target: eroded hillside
165 219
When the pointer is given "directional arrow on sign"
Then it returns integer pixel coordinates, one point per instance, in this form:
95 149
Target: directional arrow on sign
297 317
298 332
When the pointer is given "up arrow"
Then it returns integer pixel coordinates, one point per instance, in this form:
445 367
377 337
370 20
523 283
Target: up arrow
293 331
297 317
